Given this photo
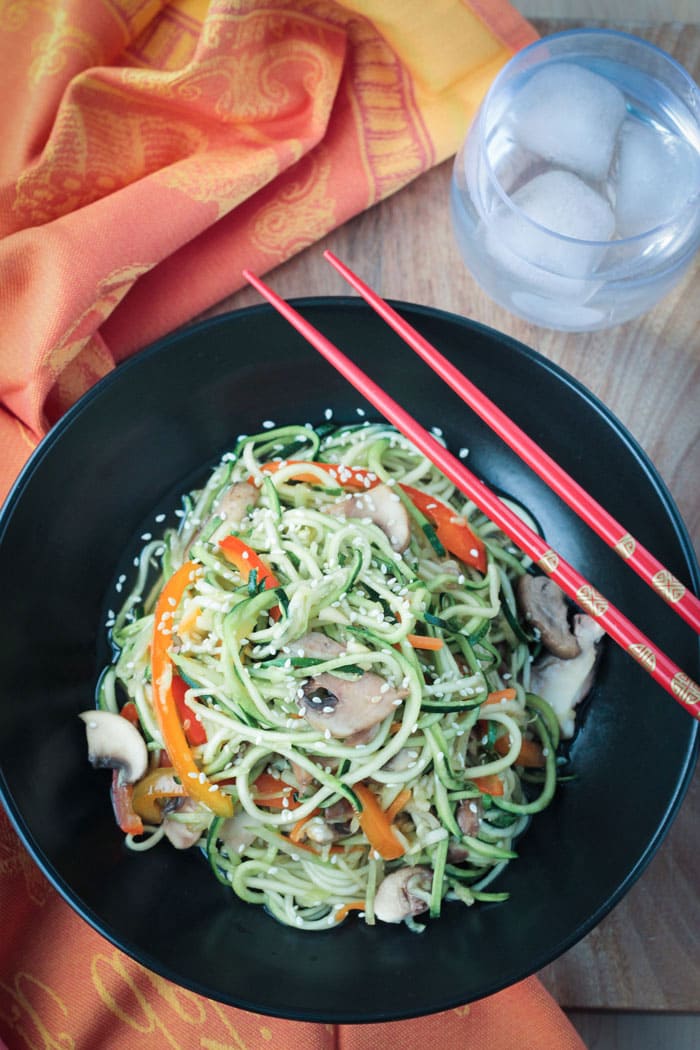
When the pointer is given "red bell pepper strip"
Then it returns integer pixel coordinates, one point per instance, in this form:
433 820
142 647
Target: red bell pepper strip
122 803
195 782
194 730
451 529
130 712
245 559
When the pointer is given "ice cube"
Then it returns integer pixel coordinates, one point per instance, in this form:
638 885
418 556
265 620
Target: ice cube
656 174
570 116
558 203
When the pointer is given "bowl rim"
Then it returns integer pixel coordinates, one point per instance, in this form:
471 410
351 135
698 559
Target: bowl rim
686 551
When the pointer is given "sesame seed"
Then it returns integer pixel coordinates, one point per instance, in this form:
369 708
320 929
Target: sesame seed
463 453
159 518
268 424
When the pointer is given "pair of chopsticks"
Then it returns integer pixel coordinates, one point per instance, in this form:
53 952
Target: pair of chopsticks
661 668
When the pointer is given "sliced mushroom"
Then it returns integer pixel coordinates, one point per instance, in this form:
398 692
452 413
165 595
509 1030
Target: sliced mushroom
238 832
469 813
346 707
564 683
395 900
543 605
382 506
114 743
232 505
317 645
404 759
184 834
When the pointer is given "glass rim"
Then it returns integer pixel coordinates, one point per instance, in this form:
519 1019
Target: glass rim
691 201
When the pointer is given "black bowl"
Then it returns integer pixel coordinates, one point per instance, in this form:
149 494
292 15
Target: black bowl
122 454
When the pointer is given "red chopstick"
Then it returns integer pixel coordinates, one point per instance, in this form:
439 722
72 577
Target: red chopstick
661 668
681 600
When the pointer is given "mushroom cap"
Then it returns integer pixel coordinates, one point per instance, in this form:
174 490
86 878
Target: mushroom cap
347 707
564 683
394 900
115 743
543 605
382 506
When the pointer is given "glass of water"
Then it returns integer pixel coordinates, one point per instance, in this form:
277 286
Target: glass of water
576 196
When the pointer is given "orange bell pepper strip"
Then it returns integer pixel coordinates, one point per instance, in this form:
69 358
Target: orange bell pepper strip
245 560
376 825
196 784
347 477
194 730
451 529
159 783
122 803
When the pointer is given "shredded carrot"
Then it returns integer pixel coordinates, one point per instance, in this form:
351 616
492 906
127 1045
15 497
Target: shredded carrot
310 849
297 832
490 785
344 910
500 694
397 805
348 477
424 641
530 755
274 793
376 826
394 728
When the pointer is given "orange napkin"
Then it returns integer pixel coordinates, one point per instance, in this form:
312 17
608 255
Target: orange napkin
150 151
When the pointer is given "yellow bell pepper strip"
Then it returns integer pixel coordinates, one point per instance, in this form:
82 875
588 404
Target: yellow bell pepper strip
245 559
451 529
159 783
196 784
122 803
347 477
376 826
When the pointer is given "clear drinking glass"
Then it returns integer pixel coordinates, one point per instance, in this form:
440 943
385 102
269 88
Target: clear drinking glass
576 196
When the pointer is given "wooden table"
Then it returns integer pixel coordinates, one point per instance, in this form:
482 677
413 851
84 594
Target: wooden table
644 955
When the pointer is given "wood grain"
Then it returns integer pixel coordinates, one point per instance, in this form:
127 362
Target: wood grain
644 955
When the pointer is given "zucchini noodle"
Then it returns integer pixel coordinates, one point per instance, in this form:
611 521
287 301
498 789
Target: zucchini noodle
358 700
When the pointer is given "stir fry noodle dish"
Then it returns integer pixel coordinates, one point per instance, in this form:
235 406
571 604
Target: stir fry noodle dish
339 681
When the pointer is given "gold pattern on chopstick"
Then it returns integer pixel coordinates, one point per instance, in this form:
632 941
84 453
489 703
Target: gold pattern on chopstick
643 655
626 546
685 688
668 586
591 600
549 561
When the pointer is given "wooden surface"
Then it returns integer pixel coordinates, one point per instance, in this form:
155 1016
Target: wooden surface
644 955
